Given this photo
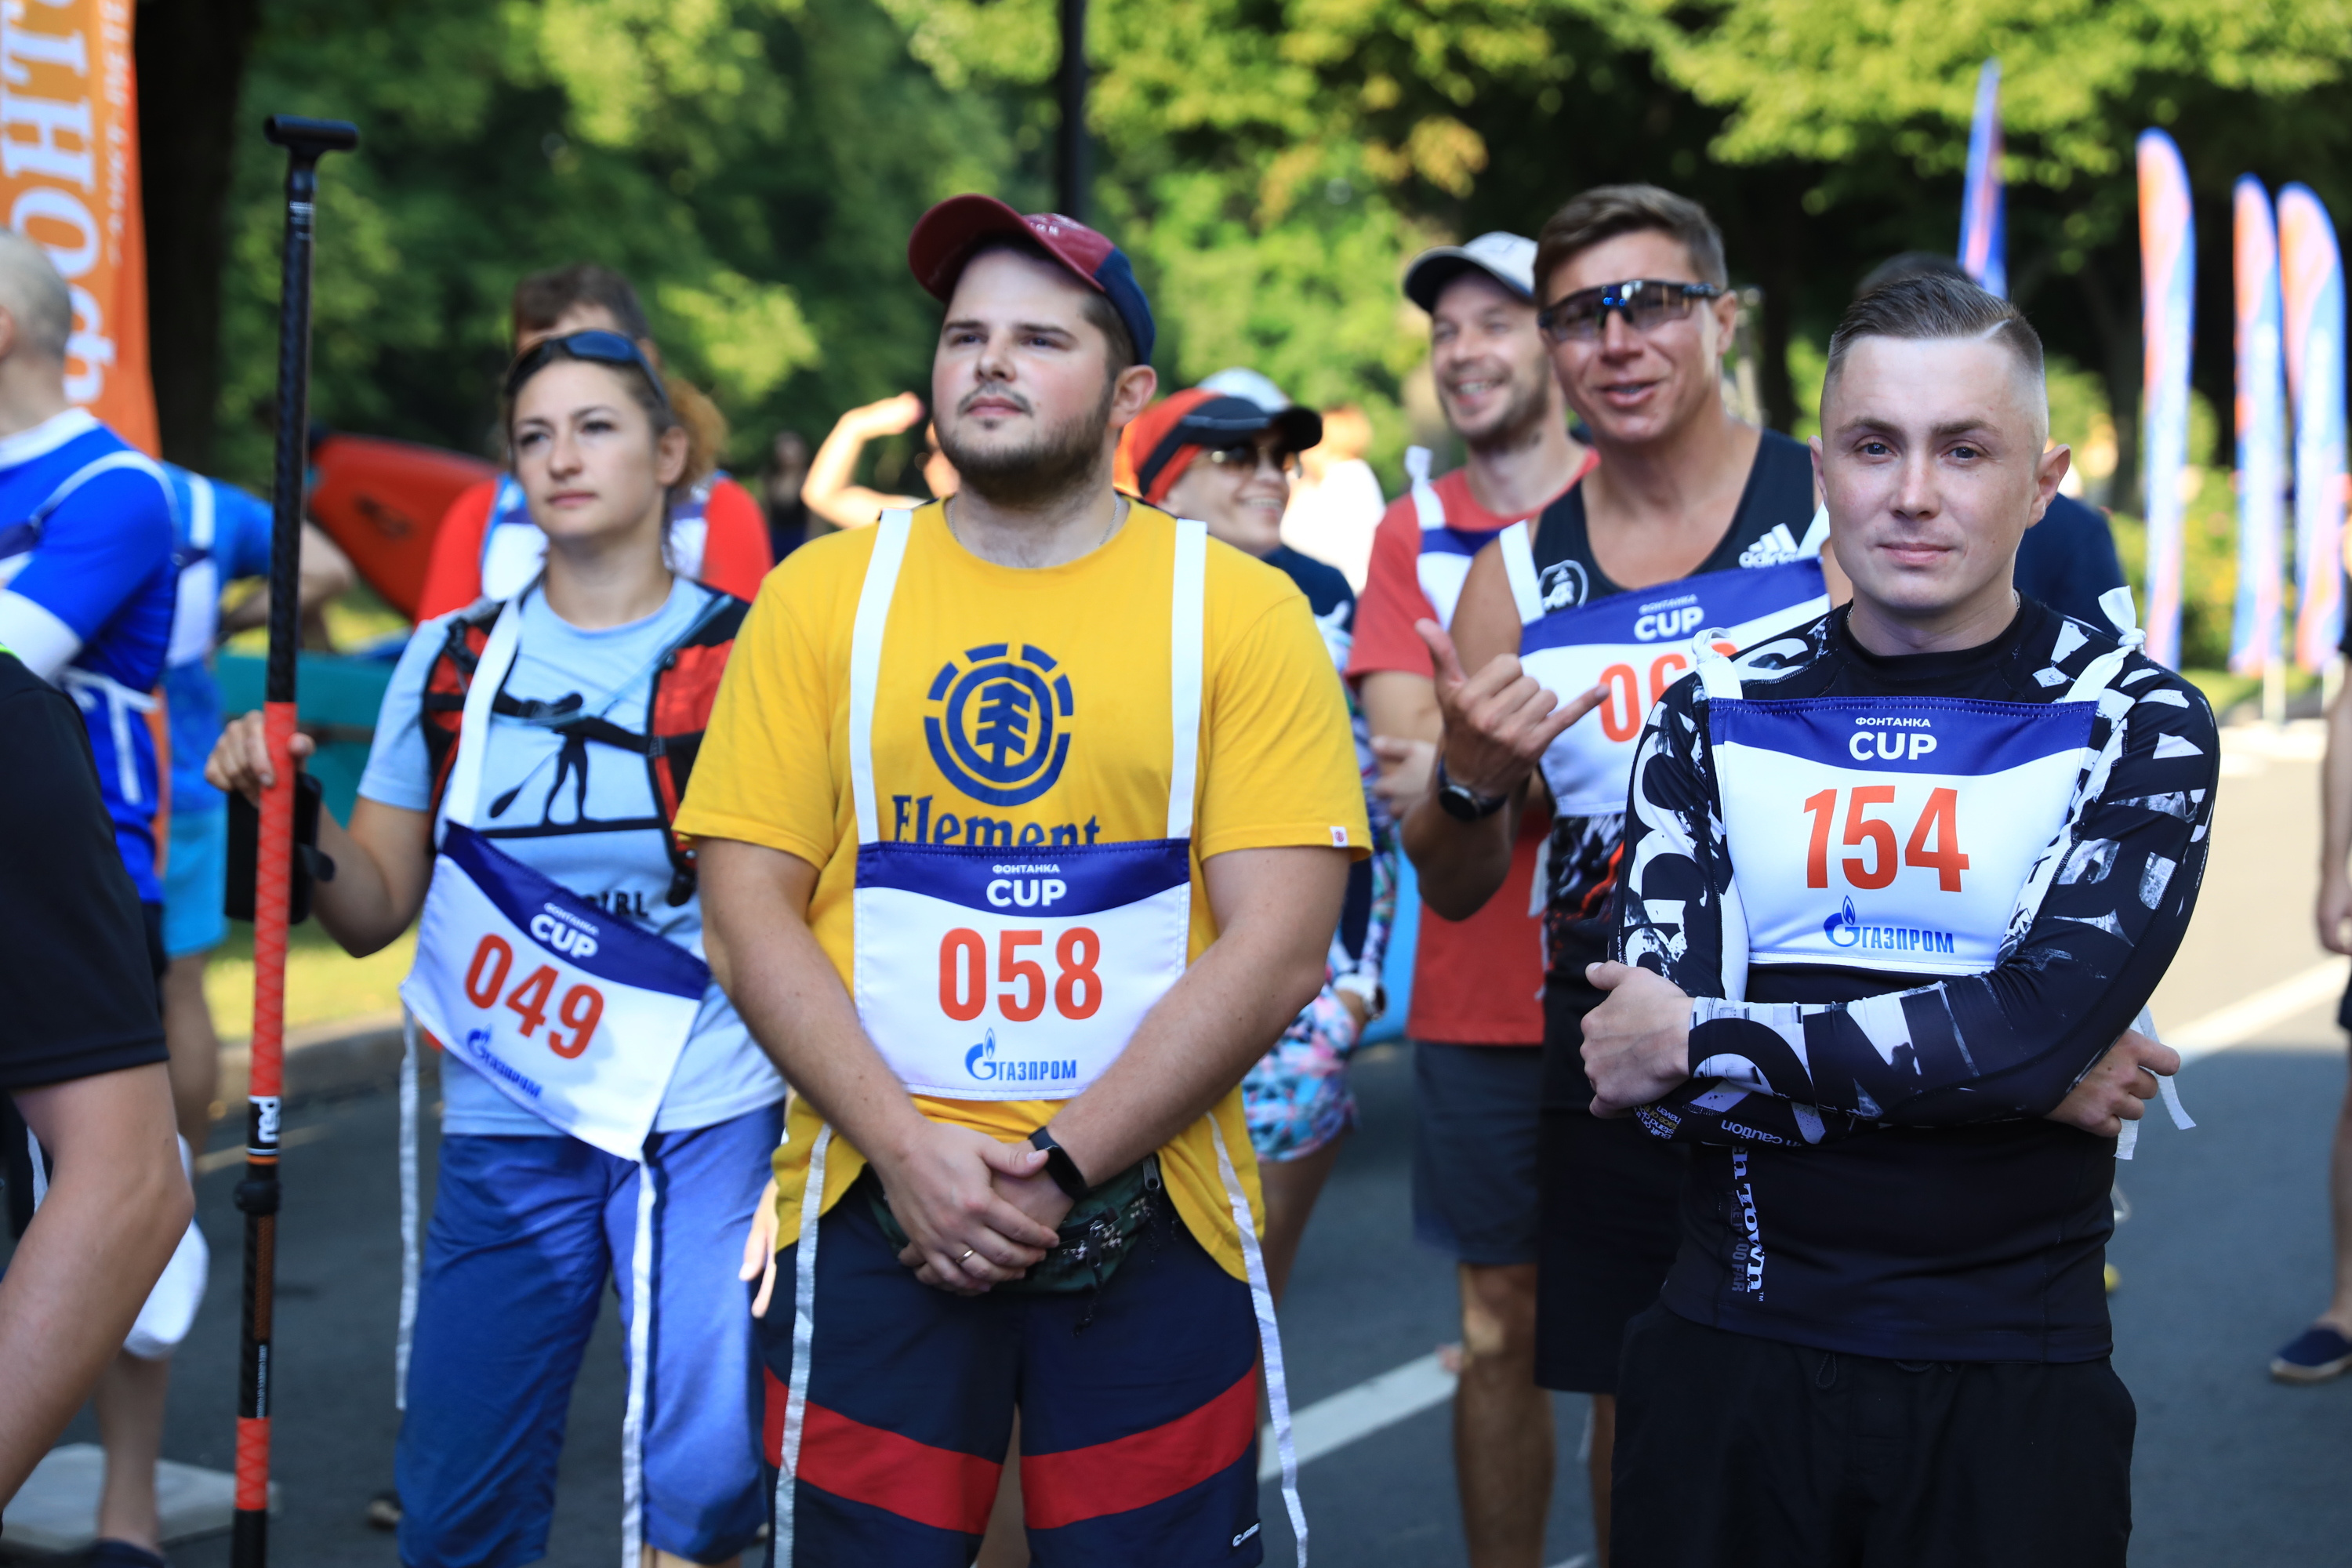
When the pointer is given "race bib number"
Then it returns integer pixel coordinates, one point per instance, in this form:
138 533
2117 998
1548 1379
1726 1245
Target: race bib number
1634 645
576 1014
1890 833
981 975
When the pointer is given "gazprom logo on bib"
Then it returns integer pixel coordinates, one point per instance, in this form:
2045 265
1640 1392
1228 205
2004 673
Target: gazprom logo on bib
1844 928
1000 732
984 1064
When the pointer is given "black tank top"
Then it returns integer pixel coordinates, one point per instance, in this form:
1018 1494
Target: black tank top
1774 511
1581 859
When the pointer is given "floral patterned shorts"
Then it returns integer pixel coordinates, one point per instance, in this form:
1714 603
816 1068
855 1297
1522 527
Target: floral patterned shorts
1296 1097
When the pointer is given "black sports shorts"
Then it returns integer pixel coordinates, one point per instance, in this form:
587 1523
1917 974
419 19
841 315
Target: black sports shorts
1611 1224
1738 1451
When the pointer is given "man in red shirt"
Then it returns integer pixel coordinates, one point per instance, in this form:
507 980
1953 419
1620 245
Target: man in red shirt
1477 1016
486 543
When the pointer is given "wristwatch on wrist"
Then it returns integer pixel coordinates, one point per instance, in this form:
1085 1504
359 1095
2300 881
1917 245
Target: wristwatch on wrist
1059 1165
1462 802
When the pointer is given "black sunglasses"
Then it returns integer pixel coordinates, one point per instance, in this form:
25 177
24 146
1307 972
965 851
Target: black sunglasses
597 346
1646 303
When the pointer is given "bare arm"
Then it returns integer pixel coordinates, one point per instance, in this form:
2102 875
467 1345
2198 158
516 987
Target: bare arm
1401 710
1275 911
117 1204
2336 829
326 574
831 489
384 861
755 903
1498 723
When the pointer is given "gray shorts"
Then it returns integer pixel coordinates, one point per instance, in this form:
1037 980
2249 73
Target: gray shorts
1474 1151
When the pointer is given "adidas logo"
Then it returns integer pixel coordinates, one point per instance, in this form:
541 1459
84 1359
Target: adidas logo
1772 549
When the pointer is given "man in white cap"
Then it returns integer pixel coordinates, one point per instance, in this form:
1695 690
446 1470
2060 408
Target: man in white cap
1476 1013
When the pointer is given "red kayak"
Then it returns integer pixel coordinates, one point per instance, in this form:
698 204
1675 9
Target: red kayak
381 500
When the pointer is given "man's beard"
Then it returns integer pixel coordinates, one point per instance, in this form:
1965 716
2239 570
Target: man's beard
1028 478
1522 420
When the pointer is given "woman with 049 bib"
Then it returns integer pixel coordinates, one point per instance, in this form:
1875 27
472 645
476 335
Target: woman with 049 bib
603 1106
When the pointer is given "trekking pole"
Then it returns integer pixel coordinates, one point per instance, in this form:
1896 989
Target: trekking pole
305 141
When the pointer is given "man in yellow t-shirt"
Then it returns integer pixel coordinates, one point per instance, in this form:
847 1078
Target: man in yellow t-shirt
1032 808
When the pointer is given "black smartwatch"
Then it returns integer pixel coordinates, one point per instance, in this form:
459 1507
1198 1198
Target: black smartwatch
1059 1165
1464 803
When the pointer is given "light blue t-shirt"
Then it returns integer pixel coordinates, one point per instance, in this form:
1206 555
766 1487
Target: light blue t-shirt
583 815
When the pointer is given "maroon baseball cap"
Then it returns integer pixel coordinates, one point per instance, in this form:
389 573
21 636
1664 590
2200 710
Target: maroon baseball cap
946 237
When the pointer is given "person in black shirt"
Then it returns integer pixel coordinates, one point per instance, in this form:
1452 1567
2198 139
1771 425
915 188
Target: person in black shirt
82 1058
1895 884
1688 511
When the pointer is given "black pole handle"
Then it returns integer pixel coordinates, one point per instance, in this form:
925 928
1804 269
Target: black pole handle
309 140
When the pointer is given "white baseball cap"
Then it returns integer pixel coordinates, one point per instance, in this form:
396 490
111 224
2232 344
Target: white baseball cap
1508 258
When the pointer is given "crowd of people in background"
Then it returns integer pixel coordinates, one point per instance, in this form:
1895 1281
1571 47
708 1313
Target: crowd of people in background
981 879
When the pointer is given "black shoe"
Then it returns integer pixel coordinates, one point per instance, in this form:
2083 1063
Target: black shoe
384 1511
121 1554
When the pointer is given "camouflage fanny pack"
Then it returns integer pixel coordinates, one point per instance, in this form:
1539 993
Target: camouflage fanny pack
1097 1234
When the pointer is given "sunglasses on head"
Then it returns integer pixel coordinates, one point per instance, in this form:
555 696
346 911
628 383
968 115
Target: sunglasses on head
1646 303
596 346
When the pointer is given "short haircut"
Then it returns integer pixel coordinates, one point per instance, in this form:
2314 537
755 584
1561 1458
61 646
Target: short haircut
1604 212
33 292
1099 312
1930 306
544 299
1909 264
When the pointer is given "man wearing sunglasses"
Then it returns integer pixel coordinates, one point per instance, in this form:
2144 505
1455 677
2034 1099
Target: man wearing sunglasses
1475 1017
1638 315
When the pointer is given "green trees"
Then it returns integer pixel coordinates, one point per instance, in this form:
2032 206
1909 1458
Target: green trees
755 165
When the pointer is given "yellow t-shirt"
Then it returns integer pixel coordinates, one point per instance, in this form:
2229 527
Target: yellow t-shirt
1277 764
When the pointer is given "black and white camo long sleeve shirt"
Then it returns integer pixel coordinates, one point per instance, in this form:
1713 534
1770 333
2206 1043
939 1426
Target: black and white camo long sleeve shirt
1881 1180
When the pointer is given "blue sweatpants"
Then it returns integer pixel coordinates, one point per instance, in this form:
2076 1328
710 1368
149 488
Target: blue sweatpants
525 1233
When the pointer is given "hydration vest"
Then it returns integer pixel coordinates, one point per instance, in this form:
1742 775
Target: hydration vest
684 686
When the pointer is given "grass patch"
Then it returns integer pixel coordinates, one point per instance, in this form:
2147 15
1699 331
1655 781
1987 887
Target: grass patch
2225 691
323 983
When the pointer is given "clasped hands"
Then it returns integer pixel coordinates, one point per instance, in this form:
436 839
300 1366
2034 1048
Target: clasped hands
977 1213
1637 1047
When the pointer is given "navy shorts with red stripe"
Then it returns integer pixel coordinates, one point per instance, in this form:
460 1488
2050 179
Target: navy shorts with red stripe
1137 1404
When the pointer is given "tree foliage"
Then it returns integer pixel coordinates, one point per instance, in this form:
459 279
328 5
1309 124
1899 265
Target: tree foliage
1270 163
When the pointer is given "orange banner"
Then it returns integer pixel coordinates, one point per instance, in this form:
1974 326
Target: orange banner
69 181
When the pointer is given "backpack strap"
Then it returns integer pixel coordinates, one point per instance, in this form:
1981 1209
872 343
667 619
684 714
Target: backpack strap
685 687
441 709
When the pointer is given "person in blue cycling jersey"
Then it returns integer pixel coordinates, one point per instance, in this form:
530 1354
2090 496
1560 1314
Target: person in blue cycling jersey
86 591
222 536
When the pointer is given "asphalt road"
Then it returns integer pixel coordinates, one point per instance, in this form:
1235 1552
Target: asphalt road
2224 1257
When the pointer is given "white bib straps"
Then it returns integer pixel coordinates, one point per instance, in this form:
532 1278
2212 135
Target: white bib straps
462 799
1187 632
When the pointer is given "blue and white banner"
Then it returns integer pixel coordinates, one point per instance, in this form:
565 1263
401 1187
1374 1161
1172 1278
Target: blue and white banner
1984 219
2262 432
2312 268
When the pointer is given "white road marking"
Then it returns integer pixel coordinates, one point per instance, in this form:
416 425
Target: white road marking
2244 1020
1330 1424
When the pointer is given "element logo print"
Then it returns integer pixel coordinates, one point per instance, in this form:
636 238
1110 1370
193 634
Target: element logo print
1001 730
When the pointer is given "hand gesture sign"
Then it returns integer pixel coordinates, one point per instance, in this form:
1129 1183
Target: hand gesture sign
1498 722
